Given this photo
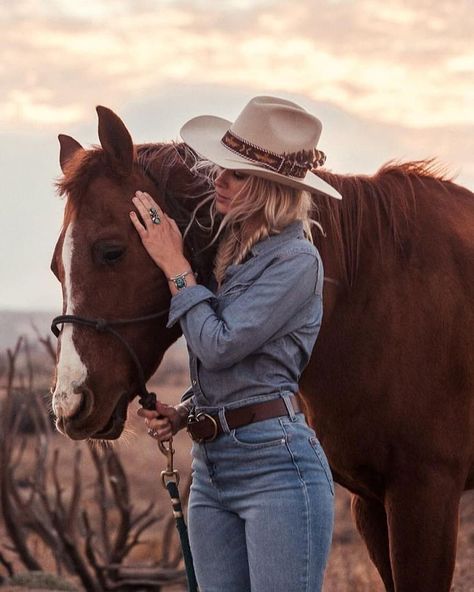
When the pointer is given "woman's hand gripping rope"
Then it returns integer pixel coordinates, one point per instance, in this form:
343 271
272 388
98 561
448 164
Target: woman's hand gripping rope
165 422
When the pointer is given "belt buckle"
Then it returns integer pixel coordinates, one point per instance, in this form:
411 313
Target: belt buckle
197 418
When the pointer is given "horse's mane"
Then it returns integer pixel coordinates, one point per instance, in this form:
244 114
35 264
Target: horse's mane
162 162
376 211
79 171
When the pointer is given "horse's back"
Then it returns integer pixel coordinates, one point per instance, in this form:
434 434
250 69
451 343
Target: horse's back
445 214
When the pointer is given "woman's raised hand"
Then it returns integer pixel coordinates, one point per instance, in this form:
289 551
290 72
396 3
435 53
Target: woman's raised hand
160 234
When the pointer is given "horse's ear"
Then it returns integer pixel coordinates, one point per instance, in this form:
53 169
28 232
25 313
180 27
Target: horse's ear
116 141
69 146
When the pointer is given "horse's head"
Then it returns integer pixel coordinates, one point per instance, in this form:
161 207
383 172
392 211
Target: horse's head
106 273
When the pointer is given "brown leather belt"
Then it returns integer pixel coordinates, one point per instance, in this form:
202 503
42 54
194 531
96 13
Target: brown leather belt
204 427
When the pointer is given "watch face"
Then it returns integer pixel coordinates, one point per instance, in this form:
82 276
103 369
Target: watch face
180 283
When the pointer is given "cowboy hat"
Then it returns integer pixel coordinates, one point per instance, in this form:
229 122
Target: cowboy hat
271 138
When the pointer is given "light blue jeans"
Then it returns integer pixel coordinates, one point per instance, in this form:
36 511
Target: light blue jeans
261 508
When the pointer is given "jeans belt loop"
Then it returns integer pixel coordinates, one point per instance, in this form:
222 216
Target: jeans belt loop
223 421
289 406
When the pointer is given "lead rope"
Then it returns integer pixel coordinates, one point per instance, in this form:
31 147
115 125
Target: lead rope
170 481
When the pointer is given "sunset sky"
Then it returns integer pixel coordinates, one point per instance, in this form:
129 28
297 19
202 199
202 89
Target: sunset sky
391 79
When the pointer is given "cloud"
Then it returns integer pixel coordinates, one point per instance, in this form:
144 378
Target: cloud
393 62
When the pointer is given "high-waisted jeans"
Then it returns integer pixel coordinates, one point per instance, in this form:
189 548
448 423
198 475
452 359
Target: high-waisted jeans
261 508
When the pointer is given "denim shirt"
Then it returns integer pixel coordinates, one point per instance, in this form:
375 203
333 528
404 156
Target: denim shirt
251 339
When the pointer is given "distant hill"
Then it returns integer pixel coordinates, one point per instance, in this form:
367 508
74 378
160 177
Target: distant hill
15 323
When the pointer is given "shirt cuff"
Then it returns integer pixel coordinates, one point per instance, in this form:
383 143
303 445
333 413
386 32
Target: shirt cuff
185 299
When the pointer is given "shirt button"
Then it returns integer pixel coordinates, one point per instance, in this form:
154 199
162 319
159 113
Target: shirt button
194 382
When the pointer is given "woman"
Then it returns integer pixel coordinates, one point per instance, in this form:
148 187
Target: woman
261 504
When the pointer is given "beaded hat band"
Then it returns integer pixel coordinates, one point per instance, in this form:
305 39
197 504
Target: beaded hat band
294 164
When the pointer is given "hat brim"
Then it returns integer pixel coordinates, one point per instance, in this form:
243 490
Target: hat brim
204 133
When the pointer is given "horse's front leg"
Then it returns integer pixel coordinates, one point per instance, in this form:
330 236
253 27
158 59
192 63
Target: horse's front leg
371 522
422 506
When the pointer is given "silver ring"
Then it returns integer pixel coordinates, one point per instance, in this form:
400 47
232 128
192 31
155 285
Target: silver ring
155 218
152 433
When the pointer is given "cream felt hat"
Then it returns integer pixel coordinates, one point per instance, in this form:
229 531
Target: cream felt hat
271 138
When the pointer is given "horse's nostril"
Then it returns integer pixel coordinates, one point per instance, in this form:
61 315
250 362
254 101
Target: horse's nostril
77 387
86 405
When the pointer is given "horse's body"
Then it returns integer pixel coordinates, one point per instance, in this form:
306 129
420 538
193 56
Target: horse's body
390 385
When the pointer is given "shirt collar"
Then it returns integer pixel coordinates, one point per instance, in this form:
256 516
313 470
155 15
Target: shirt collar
292 230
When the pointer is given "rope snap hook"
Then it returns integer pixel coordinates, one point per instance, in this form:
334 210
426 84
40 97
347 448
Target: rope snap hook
170 474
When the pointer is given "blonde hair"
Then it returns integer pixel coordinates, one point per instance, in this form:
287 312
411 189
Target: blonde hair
261 208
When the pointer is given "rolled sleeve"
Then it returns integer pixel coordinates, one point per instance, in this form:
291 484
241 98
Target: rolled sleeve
254 317
186 299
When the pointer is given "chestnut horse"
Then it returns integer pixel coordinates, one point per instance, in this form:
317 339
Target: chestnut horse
390 385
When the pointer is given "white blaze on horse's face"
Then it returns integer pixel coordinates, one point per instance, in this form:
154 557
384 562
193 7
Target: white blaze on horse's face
71 372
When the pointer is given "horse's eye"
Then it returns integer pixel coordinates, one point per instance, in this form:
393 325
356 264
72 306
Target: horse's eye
108 253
